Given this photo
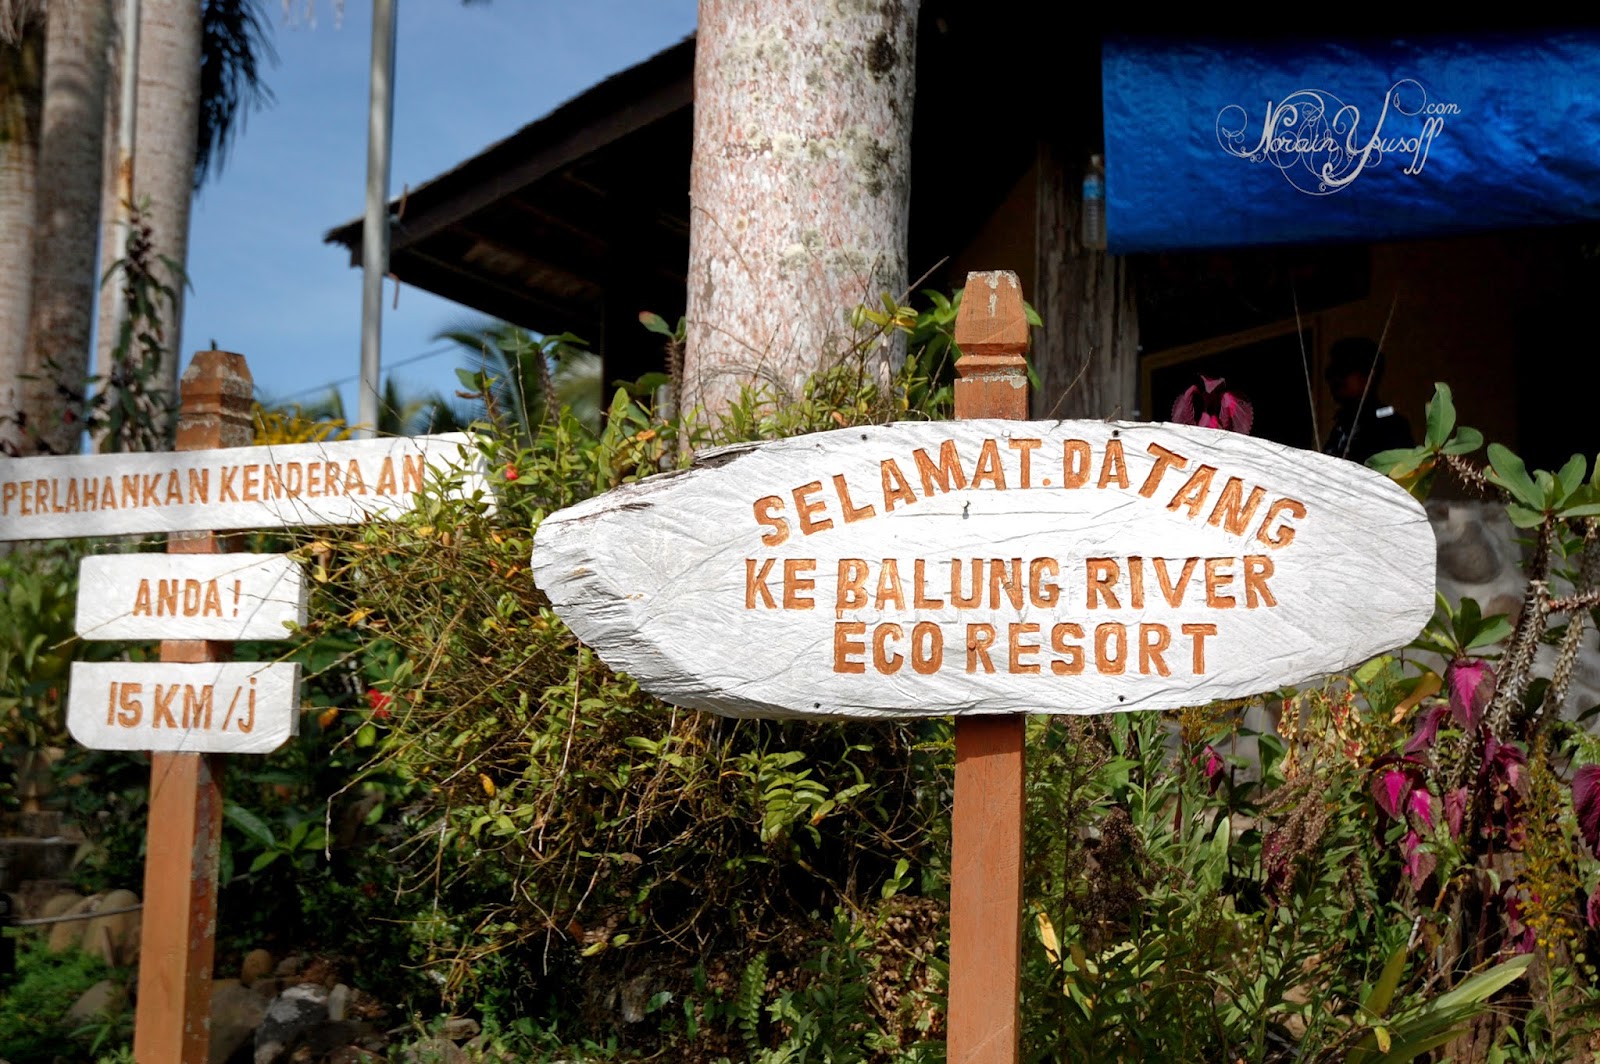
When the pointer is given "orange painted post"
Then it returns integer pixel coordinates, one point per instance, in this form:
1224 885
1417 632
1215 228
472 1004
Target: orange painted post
986 828
178 931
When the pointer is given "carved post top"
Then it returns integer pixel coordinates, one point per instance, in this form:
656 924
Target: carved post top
216 393
992 326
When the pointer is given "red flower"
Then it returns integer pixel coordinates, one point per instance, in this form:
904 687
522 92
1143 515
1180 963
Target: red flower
379 703
511 472
1213 767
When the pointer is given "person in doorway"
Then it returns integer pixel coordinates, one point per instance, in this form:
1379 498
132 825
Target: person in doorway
1363 424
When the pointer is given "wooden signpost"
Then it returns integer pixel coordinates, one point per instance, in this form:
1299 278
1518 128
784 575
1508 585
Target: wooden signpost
196 704
196 596
339 482
231 707
987 568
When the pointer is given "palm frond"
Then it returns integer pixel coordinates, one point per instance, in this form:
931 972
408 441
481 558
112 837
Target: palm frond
234 42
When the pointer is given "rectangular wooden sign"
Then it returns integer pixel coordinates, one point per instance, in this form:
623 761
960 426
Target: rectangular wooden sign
229 707
222 597
339 482
990 567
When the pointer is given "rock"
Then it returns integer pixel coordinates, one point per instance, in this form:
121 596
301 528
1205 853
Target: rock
68 934
353 1055
107 997
289 967
236 1012
114 938
1466 552
635 997
57 904
435 1051
338 1001
321 971
288 1020
460 1028
257 965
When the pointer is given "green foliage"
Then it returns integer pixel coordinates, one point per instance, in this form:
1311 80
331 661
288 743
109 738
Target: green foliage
33 1011
486 818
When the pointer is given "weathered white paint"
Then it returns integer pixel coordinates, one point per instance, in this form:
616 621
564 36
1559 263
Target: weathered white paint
232 707
339 482
220 597
664 578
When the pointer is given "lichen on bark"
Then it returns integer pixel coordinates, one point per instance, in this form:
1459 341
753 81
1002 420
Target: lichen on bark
799 186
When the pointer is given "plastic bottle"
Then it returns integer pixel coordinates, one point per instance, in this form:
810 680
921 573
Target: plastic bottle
1094 204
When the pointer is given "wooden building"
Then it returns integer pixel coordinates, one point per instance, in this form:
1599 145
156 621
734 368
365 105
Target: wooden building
580 220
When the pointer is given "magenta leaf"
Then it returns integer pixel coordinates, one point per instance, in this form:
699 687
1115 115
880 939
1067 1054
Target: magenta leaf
1471 684
1455 809
1427 730
1504 760
1389 788
1237 414
1522 937
1420 804
1593 909
1586 803
1419 864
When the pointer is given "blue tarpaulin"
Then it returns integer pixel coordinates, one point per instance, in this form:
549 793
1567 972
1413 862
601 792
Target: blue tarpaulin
1240 143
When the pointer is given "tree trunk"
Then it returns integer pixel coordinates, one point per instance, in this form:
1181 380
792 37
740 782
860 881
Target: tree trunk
799 187
20 85
165 131
1087 354
67 216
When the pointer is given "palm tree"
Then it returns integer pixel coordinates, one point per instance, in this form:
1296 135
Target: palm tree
526 378
398 414
21 82
56 357
200 67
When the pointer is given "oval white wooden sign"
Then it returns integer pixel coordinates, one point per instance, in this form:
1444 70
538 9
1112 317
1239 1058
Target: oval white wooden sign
190 596
233 707
339 482
990 567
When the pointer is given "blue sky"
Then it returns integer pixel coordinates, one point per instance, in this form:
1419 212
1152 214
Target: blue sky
264 283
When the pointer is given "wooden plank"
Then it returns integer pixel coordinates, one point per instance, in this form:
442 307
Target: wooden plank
1127 566
1087 357
332 483
172 1018
233 707
986 820
986 837
195 596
